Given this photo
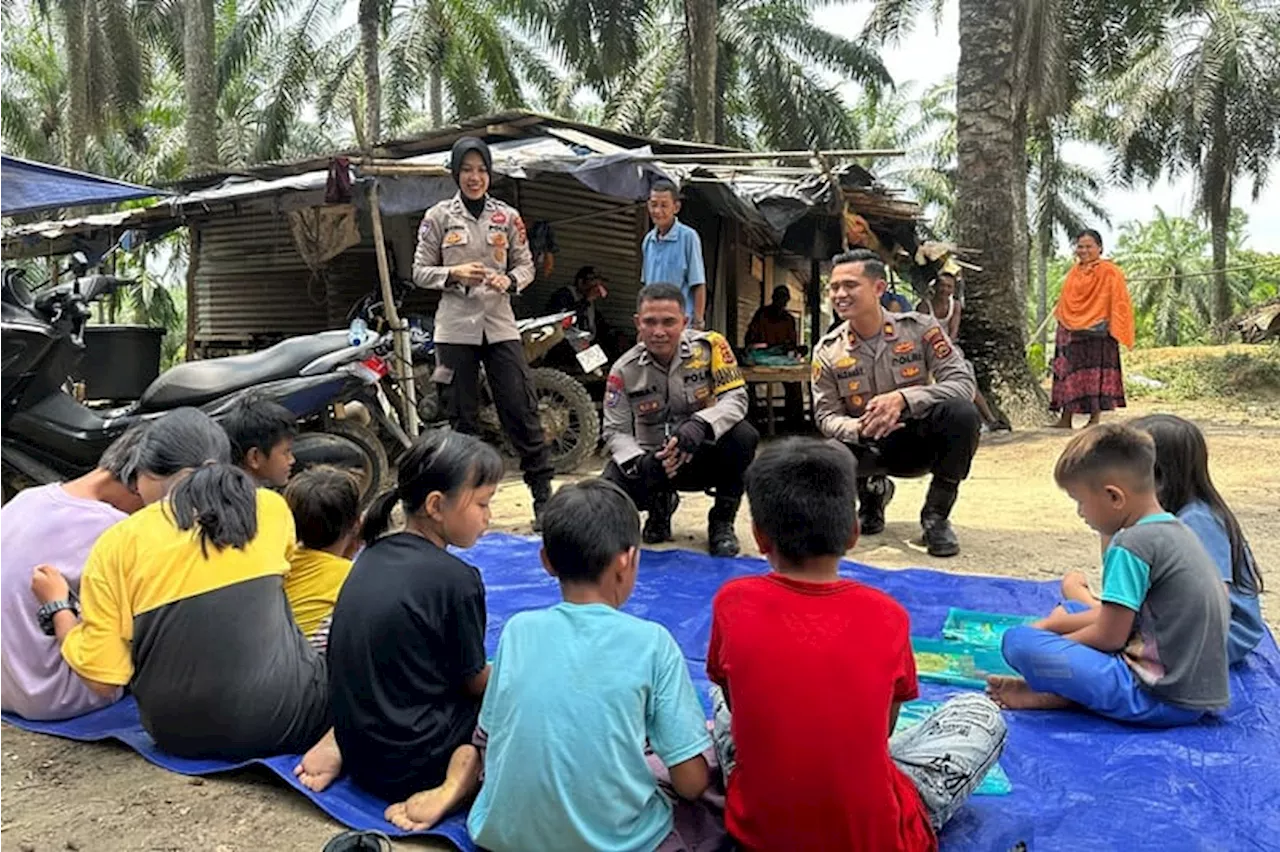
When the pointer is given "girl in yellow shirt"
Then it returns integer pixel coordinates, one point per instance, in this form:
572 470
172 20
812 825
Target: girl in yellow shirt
183 602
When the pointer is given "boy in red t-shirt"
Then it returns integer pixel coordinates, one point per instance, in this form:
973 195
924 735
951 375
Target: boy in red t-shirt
801 642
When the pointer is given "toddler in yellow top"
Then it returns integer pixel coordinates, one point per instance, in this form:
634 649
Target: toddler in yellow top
326 511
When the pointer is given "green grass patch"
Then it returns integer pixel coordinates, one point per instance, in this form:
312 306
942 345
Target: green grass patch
1239 373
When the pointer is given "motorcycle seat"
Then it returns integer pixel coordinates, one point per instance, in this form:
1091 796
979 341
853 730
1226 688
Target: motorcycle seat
198 382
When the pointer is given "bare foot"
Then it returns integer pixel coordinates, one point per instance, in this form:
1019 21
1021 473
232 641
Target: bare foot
1064 422
423 810
1095 419
321 764
1013 693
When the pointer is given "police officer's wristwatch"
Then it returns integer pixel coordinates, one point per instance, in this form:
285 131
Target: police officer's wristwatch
46 613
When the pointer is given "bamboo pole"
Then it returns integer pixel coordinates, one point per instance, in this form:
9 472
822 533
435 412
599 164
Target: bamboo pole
403 360
713 156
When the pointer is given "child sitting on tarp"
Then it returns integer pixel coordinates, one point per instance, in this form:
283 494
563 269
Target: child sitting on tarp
1154 651
262 433
325 502
46 534
183 602
406 652
1182 457
576 692
803 637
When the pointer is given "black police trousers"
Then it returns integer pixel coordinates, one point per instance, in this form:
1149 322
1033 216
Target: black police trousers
719 465
512 386
943 443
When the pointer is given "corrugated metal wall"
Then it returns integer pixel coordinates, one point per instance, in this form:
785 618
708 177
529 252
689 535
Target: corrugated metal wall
250 280
591 230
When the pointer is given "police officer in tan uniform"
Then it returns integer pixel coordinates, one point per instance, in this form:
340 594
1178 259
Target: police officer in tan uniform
871 391
674 420
474 248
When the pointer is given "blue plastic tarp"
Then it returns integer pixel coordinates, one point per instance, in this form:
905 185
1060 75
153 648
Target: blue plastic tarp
1079 781
27 186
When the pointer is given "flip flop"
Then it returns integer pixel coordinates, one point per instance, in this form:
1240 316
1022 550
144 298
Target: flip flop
359 841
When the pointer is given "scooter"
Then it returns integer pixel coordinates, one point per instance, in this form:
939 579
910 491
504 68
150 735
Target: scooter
47 434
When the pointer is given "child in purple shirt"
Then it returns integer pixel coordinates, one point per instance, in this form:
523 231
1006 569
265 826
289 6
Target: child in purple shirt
54 525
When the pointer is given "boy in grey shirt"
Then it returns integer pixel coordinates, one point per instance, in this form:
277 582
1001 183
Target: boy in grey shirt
1152 648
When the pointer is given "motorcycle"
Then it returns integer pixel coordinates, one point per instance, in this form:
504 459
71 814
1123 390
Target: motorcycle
570 420
50 435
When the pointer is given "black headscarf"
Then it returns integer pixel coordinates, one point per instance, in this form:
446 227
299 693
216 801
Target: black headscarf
460 149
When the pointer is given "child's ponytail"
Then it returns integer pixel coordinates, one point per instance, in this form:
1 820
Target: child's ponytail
377 518
216 498
220 501
440 460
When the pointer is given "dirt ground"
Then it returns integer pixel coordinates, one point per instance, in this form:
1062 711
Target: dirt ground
1011 520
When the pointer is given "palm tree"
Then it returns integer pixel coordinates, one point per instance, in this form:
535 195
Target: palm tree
34 91
987 183
1172 273
105 79
770 84
1063 198
924 126
1208 103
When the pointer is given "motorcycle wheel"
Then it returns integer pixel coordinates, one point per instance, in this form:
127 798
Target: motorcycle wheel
350 446
570 422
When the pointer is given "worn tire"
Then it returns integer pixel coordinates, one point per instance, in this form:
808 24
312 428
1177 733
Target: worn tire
373 470
570 422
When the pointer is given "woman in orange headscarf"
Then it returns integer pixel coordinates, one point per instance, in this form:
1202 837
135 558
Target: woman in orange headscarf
1094 317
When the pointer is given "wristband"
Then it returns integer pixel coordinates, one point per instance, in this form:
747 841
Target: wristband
46 613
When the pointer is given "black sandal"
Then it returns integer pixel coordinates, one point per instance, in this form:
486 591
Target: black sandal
359 841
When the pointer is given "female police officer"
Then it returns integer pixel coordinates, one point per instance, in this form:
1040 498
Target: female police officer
474 248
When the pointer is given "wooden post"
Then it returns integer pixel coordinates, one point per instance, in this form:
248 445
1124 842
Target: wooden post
193 269
402 362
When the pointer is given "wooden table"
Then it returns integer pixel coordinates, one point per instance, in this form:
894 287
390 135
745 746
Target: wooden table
770 376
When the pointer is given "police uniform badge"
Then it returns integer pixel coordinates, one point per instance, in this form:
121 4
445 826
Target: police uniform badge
937 340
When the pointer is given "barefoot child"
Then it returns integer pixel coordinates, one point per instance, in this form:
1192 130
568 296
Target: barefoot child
1154 651
262 433
576 692
1182 465
326 511
813 669
406 652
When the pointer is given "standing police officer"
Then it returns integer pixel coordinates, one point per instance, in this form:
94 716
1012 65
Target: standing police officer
474 248
674 420
871 391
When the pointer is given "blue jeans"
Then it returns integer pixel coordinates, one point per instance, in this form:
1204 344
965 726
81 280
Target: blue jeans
1101 682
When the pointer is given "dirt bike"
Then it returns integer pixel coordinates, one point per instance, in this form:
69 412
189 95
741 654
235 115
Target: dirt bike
570 420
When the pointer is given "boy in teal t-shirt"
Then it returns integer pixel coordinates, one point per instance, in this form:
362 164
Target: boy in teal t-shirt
575 692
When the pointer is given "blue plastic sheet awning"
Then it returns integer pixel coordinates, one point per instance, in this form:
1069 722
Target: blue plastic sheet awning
27 186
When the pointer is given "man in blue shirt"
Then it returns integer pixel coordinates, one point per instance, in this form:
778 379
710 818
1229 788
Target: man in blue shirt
673 252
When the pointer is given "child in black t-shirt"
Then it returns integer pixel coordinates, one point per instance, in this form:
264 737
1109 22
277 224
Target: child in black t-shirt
406 652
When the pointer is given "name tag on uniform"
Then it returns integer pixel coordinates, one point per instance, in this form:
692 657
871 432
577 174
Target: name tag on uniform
847 361
903 347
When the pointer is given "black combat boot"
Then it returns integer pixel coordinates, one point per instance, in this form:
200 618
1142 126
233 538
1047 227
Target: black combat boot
939 537
657 528
874 494
721 539
541 491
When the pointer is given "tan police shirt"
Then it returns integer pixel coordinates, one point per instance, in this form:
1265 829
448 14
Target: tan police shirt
645 402
910 349
450 236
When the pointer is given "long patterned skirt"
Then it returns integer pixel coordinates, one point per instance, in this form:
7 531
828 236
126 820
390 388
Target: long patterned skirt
1086 374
